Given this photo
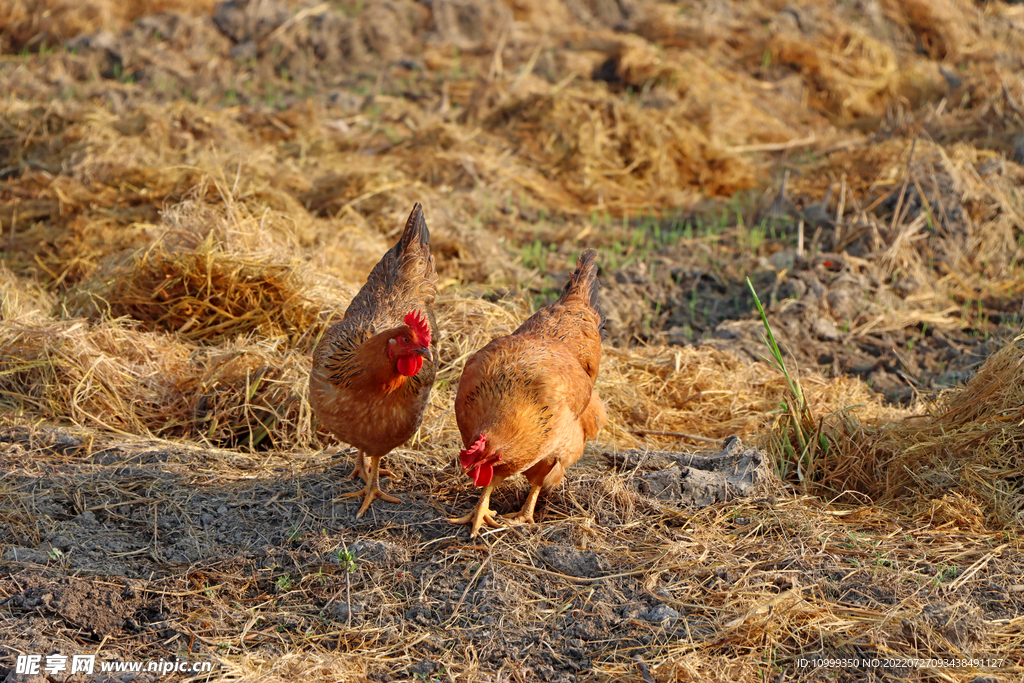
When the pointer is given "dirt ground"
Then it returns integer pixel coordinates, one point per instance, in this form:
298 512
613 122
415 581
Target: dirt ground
190 192
151 550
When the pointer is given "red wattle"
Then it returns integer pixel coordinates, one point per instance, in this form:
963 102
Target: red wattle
483 474
409 365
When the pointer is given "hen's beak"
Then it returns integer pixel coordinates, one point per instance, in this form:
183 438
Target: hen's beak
425 352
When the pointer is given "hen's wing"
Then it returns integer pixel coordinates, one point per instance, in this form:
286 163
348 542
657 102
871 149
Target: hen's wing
575 318
593 417
405 278
512 388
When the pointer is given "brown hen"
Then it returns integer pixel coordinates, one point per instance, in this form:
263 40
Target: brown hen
526 401
373 371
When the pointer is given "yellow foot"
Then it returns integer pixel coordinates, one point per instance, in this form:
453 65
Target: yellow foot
481 514
478 518
525 514
358 472
369 494
520 518
361 470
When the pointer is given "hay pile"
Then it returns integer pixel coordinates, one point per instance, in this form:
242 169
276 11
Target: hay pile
968 447
202 289
200 334
611 153
114 377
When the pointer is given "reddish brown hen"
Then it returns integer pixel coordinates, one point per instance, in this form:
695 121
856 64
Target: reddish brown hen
373 371
526 402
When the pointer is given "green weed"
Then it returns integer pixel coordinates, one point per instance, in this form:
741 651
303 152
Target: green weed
798 449
347 559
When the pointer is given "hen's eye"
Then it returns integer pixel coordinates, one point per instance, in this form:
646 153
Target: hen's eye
405 340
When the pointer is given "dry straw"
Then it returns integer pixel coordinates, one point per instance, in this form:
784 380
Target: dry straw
204 292
30 24
169 265
970 441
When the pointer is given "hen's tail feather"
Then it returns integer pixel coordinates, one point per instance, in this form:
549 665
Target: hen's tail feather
415 230
583 282
406 270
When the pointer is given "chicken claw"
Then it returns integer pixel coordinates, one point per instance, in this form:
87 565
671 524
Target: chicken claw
482 514
525 515
359 471
371 491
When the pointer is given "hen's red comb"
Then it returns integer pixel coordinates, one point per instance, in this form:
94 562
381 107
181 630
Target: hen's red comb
417 322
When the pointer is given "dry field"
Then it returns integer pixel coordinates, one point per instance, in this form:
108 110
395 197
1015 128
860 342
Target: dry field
190 192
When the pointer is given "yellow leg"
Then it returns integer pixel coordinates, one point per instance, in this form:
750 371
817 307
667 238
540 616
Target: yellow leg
372 490
360 470
481 514
525 515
